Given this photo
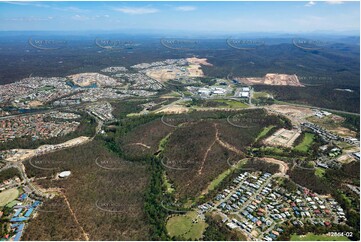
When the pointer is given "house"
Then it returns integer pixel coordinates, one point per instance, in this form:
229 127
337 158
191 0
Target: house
327 223
231 225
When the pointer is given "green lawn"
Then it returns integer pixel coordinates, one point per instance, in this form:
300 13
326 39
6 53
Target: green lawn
183 226
320 172
264 132
306 143
224 174
169 187
8 196
230 103
235 104
260 94
313 237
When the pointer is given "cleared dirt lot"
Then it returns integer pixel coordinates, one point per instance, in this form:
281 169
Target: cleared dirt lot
273 79
166 74
296 114
200 61
283 165
173 109
283 137
24 154
87 79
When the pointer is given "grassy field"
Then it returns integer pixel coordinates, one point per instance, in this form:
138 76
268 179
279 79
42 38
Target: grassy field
219 103
8 196
320 172
274 150
214 184
186 227
234 104
169 187
306 143
223 175
314 237
260 95
264 132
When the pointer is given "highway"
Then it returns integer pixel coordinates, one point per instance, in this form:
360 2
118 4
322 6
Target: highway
314 107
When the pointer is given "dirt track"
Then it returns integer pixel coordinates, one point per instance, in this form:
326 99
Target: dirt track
283 165
24 154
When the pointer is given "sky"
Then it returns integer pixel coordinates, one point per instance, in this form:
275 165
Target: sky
222 17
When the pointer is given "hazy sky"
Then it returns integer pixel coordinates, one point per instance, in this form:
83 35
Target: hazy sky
291 17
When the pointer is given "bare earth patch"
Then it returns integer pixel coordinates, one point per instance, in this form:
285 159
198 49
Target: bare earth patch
173 109
166 74
273 79
283 165
283 137
194 68
345 158
87 79
200 61
24 154
296 114
35 103
342 131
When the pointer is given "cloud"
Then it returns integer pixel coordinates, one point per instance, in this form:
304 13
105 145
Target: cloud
334 2
78 17
310 4
30 19
41 5
71 9
129 10
185 8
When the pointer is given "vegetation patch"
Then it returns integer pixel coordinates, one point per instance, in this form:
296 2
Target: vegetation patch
264 132
187 227
315 237
105 192
320 172
306 143
224 174
8 196
144 139
9 173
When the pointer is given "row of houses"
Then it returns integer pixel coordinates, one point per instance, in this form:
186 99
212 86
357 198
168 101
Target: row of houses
258 203
19 212
326 135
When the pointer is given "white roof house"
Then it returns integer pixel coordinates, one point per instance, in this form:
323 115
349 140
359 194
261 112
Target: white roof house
64 174
244 94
